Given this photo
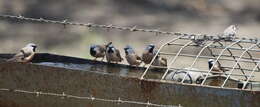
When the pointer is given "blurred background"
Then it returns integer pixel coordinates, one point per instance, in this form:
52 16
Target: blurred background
187 16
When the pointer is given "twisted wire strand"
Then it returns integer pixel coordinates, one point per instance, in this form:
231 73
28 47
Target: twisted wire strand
63 95
65 22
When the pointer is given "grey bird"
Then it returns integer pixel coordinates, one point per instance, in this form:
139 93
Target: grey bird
25 55
98 51
113 54
131 57
148 54
216 67
230 32
160 61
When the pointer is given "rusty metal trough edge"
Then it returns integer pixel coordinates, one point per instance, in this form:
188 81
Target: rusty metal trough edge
254 96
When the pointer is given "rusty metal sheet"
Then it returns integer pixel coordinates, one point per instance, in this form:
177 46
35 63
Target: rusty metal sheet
107 84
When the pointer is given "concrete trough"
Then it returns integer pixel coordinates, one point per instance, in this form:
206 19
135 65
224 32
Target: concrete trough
81 77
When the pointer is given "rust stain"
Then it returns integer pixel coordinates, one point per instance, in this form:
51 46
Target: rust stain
147 87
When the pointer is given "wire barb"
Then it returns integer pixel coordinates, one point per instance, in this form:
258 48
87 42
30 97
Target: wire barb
132 29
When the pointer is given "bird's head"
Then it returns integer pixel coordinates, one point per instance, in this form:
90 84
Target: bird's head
93 48
110 43
110 48
150 48
32 45
129 50
234 27
210 63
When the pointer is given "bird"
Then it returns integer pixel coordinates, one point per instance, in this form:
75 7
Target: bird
160 61
25 55
216 67
148 54
98 51
230 32
113 54
131 57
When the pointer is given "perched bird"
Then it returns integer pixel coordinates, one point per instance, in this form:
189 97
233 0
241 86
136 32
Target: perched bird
26 54
113 54
131 57
230 32
216 67
98 51
160 61
148 54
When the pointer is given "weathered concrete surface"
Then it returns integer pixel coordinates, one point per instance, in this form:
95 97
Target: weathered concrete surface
109 86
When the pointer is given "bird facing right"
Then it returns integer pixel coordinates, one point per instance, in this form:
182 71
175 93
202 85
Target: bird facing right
25 55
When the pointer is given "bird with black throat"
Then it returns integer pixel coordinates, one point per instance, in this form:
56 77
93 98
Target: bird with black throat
216 68
148 54
113 54
25 55
131 57
99 51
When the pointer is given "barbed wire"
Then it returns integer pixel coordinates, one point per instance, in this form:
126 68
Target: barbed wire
111 26
92 98
195 37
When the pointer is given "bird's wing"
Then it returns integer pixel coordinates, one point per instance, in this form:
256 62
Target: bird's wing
26 51
102 48
138 57
164 61
17 57
216 68
118 54
224 69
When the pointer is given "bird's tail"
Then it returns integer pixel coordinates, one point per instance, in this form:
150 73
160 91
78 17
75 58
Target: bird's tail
108 44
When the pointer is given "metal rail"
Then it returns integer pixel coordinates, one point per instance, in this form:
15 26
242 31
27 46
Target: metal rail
195 60
239 66
250 55
176 56
218 59
207 57
252 46
219 47
250 76
146 70
202 71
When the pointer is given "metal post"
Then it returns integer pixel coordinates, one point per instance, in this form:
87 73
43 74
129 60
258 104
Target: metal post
244 85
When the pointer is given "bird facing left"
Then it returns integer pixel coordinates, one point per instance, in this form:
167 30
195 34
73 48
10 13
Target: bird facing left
25 55
98 51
